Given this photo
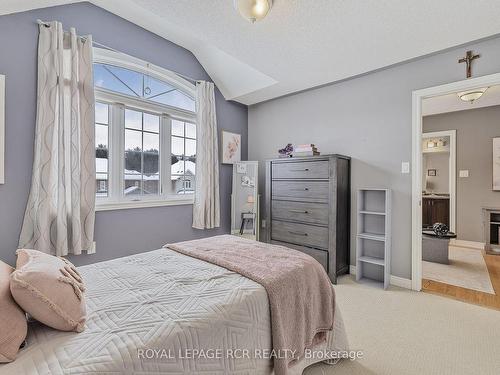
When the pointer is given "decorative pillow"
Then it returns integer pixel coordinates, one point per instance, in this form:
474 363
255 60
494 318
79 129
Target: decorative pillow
49 289
13 326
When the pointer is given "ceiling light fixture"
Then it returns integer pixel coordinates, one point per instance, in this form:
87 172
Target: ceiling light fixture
253 10
473 95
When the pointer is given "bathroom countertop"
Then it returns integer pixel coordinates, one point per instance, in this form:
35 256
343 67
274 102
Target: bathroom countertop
435 196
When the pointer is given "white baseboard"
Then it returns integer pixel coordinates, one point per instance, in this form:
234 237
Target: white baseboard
401 282
468 244
395 280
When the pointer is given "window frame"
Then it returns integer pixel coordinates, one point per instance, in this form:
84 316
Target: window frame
185 138
117 103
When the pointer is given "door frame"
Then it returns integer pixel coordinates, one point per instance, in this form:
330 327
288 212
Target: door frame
417 97
452 167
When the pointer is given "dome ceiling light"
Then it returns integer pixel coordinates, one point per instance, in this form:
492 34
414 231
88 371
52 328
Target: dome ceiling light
472 95
253 10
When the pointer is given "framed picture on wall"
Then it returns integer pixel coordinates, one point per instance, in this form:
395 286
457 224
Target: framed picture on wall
231 147
2 129
431 173
496 164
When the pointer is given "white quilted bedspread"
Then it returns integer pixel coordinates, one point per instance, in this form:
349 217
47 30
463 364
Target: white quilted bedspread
168 302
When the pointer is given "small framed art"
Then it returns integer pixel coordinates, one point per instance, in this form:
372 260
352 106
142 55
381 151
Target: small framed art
231 147
496 164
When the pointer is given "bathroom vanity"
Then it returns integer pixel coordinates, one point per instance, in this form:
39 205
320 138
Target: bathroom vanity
435 209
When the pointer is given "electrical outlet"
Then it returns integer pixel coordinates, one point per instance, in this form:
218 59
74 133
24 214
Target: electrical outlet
405 167
463 173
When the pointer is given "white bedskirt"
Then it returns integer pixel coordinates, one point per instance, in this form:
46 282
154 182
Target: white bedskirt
147 312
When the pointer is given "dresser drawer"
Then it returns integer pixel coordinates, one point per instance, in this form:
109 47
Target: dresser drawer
314 213
314 191
300 234
320 255
305 169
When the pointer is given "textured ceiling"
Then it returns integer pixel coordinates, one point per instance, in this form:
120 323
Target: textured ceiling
305 43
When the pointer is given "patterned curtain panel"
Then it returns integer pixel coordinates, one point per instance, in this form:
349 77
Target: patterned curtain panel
60 213
206 208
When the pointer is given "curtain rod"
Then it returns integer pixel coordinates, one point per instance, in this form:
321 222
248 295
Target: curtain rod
46 24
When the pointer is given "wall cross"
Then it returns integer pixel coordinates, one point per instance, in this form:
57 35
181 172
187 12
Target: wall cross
469 57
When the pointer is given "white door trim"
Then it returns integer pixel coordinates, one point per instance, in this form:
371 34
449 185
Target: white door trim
2 129
417 97
452 167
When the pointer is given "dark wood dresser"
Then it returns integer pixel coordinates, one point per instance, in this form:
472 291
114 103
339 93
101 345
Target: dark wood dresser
308 208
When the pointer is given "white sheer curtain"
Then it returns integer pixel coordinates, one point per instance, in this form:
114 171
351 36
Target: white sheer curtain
60 212
206 208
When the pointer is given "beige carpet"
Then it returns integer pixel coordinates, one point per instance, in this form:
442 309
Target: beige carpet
466 269
403 332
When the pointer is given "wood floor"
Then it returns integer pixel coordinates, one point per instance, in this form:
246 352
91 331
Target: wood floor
469 295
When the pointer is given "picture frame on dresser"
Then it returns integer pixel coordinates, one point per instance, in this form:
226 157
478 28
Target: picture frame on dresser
2 129
308 208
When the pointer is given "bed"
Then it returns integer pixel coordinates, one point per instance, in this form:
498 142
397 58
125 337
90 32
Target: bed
145 313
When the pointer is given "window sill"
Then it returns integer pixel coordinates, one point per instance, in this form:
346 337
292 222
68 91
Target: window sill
125 205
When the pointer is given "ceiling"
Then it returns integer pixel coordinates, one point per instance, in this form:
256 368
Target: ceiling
451 102
301 43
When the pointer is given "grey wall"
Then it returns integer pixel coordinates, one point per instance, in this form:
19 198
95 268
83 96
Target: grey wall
440 183
118 233
369 119
475 130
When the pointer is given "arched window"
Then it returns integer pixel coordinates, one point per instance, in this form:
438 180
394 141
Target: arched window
145 133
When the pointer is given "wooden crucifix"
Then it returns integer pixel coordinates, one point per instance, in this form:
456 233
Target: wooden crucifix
469 57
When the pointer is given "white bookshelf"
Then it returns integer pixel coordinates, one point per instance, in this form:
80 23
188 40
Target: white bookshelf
373 238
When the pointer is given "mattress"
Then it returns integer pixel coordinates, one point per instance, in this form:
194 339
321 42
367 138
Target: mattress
163 312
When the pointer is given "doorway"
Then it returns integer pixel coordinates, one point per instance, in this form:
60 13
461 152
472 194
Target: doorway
418 182
439 150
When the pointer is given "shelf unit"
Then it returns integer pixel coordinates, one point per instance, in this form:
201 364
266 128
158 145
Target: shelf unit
373 239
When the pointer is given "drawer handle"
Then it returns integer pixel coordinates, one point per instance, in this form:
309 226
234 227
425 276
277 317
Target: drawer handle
300 211
297 233
300 170
304 189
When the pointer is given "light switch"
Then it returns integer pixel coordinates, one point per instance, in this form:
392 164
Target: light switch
263 224
405 167
463 173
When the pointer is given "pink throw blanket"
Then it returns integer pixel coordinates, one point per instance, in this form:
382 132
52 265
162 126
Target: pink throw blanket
300 293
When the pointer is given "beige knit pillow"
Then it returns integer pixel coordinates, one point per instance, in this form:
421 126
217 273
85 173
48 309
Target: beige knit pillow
49 289
13 327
